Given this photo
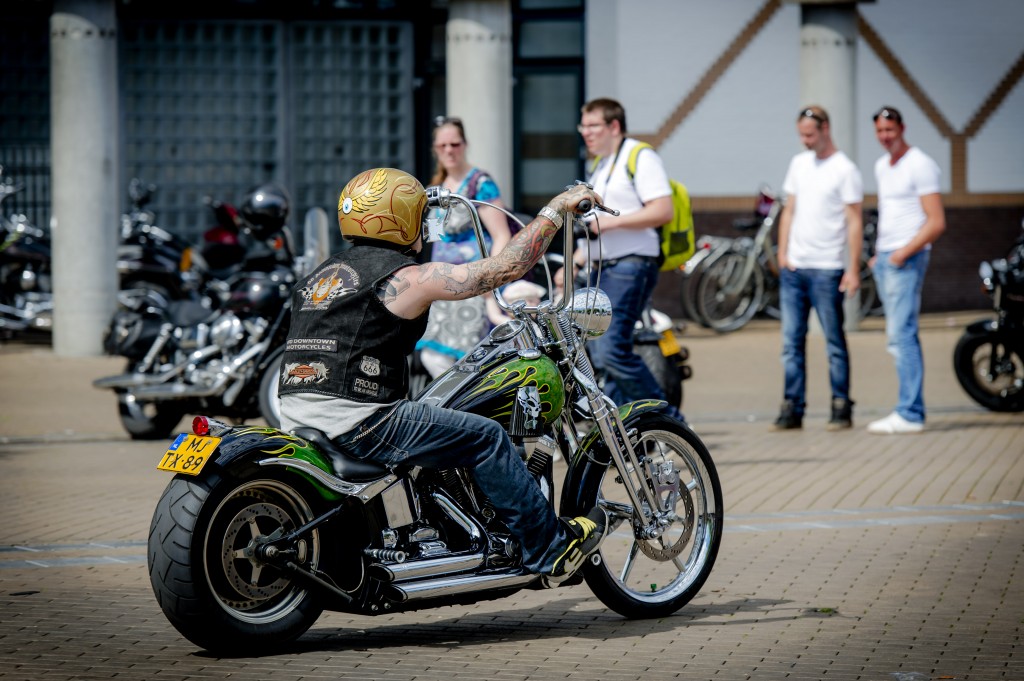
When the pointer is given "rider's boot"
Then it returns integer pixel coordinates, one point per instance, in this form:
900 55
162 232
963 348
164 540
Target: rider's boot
585 534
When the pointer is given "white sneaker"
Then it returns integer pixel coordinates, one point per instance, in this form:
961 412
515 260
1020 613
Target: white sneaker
894 424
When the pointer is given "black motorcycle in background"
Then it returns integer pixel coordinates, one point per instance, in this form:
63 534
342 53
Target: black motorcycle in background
989 357
26 288
162 266
219 353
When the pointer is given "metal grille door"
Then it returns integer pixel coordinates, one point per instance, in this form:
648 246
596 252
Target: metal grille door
212 108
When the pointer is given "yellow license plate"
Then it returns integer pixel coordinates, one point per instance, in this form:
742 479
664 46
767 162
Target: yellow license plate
188 454
668 343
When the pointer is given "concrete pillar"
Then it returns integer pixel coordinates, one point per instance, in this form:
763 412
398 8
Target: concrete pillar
84 172
828 78
479 83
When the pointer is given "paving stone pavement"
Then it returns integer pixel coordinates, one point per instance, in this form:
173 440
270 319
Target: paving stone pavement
845 556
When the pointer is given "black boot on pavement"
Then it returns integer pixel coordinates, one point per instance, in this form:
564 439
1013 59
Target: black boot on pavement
842 414
788 418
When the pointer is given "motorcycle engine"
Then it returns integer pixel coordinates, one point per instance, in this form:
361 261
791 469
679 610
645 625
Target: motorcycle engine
227 331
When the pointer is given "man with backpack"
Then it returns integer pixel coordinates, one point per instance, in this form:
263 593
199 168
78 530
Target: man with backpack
630 258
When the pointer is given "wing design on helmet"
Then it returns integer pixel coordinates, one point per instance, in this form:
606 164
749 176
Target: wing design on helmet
373 194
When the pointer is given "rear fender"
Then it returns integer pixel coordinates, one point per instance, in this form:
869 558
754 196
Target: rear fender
263 446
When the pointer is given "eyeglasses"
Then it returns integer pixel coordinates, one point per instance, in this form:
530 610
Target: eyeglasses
590 127
447 120
810 113
889 114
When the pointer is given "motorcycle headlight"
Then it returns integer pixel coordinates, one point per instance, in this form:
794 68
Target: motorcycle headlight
591 311
227 331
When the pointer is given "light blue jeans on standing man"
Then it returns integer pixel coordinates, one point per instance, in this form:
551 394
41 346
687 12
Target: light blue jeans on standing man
799 291
900 291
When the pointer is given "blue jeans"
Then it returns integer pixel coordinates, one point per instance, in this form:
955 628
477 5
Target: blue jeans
629 283
416 434
900 291
799 291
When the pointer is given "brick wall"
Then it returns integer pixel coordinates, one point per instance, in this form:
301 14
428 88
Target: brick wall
972 235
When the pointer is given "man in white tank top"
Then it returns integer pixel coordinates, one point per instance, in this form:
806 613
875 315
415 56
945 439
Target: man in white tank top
910 219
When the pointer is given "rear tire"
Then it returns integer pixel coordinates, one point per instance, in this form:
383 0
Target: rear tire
665 371
724 301
640 578
216 597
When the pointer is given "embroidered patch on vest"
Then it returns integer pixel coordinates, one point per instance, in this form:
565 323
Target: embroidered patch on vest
370 366
311 345
302 373
361 385
327 285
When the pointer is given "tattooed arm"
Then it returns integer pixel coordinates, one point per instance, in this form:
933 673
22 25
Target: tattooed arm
410 291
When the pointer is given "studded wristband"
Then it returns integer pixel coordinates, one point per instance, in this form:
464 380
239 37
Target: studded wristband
551 214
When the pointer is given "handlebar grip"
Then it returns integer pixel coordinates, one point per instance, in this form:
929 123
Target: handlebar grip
584 206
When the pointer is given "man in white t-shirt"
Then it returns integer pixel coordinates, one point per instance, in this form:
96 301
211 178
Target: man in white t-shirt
910 219
820 221
628 265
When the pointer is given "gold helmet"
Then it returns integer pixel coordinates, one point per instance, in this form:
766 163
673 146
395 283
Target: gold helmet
382 204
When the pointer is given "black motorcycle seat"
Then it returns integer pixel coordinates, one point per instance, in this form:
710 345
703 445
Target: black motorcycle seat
188 313
346 467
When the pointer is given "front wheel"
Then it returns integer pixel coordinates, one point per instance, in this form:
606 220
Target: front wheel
202 565
990 371
653 568
269 399
149 420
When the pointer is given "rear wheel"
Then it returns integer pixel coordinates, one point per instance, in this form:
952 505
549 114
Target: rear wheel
203 544
726 299
665 370
653 569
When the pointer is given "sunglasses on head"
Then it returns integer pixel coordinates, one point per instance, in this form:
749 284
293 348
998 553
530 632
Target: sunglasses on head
447 120
889 114
813 115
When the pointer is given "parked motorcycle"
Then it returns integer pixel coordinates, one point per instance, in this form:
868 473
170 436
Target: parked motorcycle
989 357
259 531
152 261
26 289
219 354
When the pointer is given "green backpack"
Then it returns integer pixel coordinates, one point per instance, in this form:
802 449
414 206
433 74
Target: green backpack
677 243
677 234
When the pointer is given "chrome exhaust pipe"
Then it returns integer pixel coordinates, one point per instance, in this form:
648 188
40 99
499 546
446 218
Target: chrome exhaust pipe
449 586
430 567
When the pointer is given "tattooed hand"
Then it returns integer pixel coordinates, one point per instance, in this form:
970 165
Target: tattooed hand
570 199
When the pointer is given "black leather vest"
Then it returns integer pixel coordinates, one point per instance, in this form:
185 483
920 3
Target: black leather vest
343 341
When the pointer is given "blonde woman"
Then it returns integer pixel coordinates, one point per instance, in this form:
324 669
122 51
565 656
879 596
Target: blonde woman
456 326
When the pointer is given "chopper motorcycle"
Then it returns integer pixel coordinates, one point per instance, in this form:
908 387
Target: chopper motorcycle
259 530
989 357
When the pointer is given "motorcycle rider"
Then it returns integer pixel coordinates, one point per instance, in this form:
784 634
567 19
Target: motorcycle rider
358 315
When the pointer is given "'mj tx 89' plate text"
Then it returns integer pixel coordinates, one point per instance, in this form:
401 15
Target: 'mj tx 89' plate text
188 454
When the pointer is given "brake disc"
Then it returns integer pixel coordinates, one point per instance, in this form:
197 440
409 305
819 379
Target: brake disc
676 511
